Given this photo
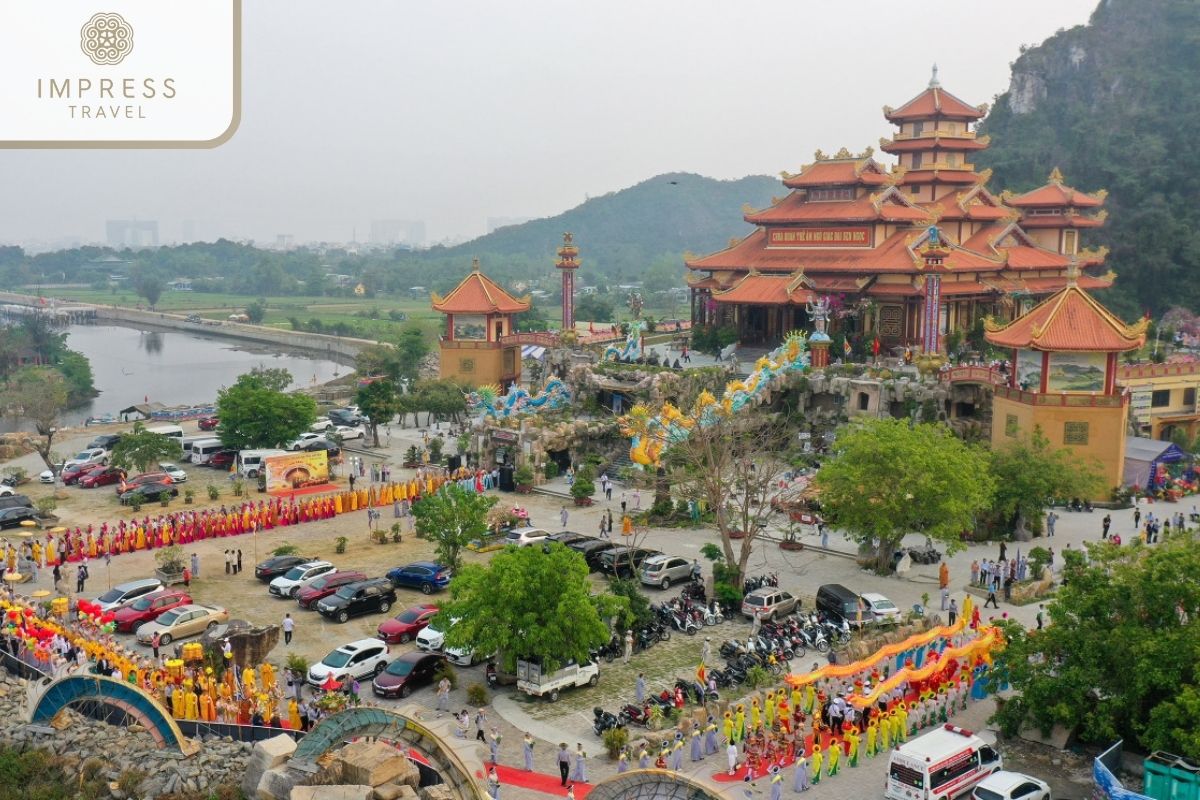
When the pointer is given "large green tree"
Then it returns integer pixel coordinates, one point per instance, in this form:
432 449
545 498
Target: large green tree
411 348
889 478
380 359
1119 656
38 395
277 379
149 285
450 519
1028 473
533 603
253 415
380 401
140 449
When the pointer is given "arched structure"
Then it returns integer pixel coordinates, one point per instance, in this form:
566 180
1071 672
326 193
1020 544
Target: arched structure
118 696
333 731
652 784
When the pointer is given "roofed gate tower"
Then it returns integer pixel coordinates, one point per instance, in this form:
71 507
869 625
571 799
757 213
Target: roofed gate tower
1064 353
477 346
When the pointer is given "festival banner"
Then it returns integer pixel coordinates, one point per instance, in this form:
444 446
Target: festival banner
292 471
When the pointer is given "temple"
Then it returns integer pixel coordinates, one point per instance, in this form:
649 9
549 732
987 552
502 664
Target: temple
478 346
909 253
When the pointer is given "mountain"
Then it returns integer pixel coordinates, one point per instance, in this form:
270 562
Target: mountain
620 233
1114 105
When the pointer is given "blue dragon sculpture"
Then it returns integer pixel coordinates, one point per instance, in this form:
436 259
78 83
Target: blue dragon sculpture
486 401
633 343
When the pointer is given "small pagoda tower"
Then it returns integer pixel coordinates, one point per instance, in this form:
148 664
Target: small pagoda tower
478 347
1063 381
568 262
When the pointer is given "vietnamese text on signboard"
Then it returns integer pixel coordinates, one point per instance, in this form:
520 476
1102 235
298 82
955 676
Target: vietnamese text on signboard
859 236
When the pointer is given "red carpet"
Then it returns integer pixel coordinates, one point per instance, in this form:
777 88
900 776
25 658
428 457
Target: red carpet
539 782
318 489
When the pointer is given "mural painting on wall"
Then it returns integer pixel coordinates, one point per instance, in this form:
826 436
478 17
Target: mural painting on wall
470 326
1076 372
1029 370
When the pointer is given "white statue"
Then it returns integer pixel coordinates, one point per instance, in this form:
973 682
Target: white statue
819 313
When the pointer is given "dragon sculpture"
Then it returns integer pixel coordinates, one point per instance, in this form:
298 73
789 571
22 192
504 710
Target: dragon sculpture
651 433
486 401
633 344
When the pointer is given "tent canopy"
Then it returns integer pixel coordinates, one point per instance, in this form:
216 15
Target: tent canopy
1142 457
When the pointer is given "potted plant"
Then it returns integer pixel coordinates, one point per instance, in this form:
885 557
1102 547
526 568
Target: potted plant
189 494
523 478
213 492
171 561
339 544
164 498
412 457
436 445
584 487
45 507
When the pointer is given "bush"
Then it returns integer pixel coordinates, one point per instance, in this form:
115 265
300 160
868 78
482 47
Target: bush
136 503
477 695
339 544
239 487
189 495
45 506
585 483
662 508
550 470
164 497
436 444
615 740
446 670
285 549
639 612
170 559
297 663
213 492
523 476
1039 559
758 676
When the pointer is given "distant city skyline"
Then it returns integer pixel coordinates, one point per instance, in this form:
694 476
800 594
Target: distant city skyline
452 116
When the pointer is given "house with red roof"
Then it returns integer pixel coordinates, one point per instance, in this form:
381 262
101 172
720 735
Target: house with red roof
478 346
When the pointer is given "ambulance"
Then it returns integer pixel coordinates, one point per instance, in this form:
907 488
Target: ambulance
945 763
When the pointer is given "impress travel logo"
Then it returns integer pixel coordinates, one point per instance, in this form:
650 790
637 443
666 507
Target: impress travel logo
132 74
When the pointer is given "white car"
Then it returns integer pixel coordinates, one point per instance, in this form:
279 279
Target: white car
431 638
176 474
305 438
362 659
524 537
345 432
289 583
321 425
97 455
1005 785
883 609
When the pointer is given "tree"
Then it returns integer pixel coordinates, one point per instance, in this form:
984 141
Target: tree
253 415
594 308
889 478
1118 657
450 519
1028 473
37 394
256 311
411 348
379 400
148 285
379 360
532 603
277 379
729 467
440 398
141 449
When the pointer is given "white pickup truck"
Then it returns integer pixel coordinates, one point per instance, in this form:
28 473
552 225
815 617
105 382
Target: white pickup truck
532 681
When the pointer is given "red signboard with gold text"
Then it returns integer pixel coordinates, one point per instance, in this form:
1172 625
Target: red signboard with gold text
858 236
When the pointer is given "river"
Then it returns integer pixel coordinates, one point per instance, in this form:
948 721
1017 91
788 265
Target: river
175 367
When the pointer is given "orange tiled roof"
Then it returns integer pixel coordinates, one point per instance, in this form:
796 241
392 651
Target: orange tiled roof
922 143
1069 320
1027 257
1061 221
838 172
478 294
962 205
1085 281
941 175
794 208
933 102
769 290
1055 194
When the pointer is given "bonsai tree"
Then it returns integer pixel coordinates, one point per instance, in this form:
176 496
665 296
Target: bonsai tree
523 476
435 449
584 486
170 560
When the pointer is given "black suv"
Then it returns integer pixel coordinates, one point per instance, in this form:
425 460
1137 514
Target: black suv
105 440
354 599
624 562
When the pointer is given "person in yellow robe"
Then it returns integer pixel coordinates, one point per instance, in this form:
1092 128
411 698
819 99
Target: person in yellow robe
249 682
177 703
50 554
141 538
208 709
293 714
191 708
268 676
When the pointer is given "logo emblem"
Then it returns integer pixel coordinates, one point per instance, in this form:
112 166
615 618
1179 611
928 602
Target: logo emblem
106 39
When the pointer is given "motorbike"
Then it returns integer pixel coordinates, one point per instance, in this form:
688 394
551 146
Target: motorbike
683 622
712 615
638 715
604 720
694 692
610 651
491 675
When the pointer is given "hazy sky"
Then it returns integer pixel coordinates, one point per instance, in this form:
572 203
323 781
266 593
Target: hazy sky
453 112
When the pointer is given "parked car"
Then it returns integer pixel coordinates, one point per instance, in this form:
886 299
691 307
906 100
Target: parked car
181 622
148 492
173 471
94 455
347 432
289 583
405 626
1005 785
325 585
273 567
592 551
130 590
882 609
837 601
105 476
433 638
148 608
625 562
361 659
331 449
75 472
13 516
128 484
6 490
524 537
769 603
208 423
46 476
355 599
303 439
322 425
569 537
410 671
536 683
662 571
222 459
424 575
105 441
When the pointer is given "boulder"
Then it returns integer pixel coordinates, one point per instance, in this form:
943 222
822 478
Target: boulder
438 791
275 784
374 764
342 792
390 791
267 754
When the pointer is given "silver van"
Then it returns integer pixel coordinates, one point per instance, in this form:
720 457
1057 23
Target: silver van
204 449
124 592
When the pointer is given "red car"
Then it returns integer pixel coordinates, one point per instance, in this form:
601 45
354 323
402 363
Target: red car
102 477
208 423
146 477
222 459
74 473
407 624
325 585
147 608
